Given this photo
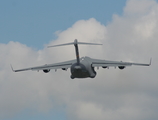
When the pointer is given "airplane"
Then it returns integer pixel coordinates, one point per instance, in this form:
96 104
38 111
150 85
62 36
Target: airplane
83 67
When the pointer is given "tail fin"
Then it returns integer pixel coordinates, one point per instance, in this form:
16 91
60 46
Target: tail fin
61 45
75 43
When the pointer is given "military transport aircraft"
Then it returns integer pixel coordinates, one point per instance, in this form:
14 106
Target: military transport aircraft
81 67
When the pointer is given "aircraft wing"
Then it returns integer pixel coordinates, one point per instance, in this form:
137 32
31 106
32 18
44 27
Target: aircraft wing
62 65
106 63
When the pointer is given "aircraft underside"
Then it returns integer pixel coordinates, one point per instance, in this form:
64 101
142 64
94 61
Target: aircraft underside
80 71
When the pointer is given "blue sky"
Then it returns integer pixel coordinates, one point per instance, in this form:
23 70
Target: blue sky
34 22
31 115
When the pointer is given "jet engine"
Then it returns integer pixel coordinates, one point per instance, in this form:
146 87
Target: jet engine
46 70
64 69
104 66
121 67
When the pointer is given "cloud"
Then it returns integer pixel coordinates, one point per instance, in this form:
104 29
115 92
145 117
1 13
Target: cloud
114 94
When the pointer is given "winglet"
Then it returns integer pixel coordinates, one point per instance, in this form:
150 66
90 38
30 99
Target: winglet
12 68
150 61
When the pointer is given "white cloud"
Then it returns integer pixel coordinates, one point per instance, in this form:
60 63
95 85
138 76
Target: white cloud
114 94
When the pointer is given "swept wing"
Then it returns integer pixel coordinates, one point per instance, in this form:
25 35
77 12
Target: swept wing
106 63
61 65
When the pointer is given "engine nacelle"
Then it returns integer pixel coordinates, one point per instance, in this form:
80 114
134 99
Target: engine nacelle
121 67
104 67
64 69
46 70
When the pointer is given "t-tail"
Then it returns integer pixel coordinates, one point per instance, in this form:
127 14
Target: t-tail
75 43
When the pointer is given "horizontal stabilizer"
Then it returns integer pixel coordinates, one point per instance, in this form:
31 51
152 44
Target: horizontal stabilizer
89 43
61 45
75 43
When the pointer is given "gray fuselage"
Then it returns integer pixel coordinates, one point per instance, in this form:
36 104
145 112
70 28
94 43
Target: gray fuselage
83 69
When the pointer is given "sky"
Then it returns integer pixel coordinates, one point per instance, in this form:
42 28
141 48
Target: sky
128 30
35 23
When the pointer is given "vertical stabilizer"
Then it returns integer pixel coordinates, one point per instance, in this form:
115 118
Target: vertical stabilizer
75 43
77 51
